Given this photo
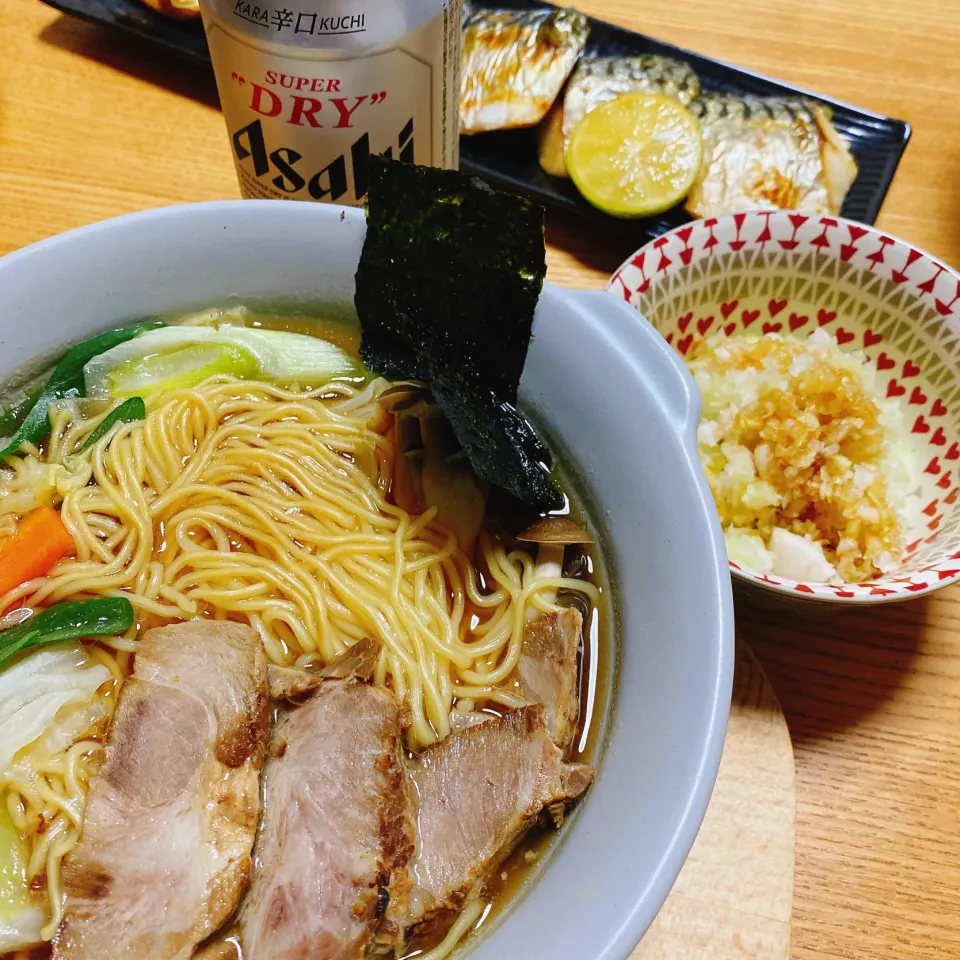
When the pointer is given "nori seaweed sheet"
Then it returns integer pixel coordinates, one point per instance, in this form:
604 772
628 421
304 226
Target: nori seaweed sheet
448 281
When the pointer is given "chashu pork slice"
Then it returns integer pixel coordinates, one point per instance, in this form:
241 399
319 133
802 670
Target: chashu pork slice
476 793
172 814
336 828
548 671
355 663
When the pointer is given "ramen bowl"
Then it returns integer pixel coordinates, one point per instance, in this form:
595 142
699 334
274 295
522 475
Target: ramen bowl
628 434
791 274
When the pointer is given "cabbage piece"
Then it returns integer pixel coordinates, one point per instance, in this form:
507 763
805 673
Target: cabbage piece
74 722
171 358
33 690
747 549
22 913
34 483
799 558
47 694
760 494
740 466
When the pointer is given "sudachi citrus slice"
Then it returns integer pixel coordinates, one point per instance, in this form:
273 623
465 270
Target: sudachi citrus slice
636 155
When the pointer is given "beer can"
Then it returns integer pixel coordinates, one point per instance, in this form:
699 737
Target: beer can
310 88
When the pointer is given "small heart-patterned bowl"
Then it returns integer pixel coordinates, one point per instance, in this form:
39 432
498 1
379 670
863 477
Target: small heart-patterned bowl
787 272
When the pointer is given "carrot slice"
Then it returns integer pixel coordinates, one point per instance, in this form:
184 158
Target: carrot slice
39 542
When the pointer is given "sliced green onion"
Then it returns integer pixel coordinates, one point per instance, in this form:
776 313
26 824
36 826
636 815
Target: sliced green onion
180 367
128 412
102 616
16 413
67 381
183 356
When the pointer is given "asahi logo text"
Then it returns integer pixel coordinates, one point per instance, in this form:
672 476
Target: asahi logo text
330 182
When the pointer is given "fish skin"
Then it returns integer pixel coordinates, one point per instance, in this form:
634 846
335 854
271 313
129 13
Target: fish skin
596 80
769 153
515 64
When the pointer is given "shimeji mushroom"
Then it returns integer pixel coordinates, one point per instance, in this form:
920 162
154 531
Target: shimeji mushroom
432 470
552 535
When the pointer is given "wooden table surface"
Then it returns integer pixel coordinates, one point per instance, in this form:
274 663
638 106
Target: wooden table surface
93 125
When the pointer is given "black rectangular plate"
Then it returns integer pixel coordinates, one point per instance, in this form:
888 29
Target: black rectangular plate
509 158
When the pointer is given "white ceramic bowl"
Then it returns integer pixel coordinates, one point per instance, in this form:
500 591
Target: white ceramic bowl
619 403
791 273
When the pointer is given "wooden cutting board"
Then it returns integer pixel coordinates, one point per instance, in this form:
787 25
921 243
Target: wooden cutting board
733 898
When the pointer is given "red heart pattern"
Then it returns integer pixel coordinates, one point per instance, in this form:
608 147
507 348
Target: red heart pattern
870 338
920 425
775 306
939 438
895 390
797 321
704 324
684 321
938 409
826 316
843 336
918 396
727 308
885 363
729 328
749 316
910 369
772 327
